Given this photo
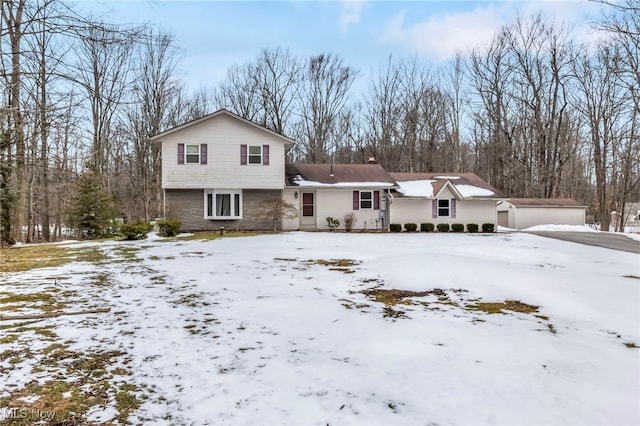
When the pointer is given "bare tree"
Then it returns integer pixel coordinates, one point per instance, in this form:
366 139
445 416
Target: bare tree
103 69
155 90
324 93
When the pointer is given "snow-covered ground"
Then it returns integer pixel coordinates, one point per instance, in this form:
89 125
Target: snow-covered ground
271 330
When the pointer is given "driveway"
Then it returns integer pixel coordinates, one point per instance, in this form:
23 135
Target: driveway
600 239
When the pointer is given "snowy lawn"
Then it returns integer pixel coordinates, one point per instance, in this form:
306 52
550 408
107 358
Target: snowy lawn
323 328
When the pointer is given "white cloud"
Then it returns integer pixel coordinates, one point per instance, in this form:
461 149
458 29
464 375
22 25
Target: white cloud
440 36
351 10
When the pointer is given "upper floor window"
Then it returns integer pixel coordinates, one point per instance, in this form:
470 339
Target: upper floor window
192 153
254 154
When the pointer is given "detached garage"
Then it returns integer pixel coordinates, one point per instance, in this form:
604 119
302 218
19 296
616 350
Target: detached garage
522 213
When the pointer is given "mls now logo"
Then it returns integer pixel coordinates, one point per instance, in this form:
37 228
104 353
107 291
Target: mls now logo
15 413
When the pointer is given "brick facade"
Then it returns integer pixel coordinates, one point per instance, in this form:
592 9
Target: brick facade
188 206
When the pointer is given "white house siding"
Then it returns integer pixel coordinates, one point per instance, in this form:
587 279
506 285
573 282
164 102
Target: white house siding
338 202
289 196
526 217
415 210
188 206
223 135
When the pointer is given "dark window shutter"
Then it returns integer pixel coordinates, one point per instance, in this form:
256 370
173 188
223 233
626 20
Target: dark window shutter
452 213
356 200
203 153
265 155
243 155
376 200
180 153
434 209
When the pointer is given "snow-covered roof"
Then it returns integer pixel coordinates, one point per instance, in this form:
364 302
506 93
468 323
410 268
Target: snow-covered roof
429 185
300 181
417 188
339 176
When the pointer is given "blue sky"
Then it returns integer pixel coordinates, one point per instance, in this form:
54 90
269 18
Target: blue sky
218 34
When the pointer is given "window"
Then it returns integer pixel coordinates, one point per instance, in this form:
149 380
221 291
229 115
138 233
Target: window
366 200
193 154
255 154
223 204
443 208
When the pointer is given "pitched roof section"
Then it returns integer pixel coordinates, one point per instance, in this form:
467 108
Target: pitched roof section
338 175
546 202
159 136
468 185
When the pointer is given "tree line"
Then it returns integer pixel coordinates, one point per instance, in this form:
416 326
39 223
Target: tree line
535 113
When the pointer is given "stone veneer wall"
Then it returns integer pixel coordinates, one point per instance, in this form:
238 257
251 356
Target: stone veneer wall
188 206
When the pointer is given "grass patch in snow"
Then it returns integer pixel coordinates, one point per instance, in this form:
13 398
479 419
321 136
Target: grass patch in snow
43 301
632 276
500 307
212 235
71 384
631 345
25 258
339 265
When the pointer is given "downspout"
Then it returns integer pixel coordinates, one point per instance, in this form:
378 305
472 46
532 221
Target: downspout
164 204
388 212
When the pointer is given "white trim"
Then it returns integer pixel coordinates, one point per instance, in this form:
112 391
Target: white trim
186 153
371 200
249 155
448 200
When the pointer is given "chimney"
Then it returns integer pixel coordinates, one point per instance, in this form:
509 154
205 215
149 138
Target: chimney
372 160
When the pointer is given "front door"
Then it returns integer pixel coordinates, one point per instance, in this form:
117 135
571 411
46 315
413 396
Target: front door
308 219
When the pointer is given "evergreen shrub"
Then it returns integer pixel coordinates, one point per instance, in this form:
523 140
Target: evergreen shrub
410 227
427 227
443 227
169 227
135 231
457 227
488 227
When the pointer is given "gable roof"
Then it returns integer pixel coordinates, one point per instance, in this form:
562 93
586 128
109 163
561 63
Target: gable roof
429 185
157 138
338 175
544 202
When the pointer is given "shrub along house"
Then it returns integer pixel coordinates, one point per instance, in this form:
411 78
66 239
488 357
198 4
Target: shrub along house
224 170
443 198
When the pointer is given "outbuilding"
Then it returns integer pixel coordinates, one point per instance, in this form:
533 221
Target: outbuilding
522 213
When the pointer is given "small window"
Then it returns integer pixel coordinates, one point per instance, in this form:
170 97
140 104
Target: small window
255 154
193 154
221 204
443 208
366 200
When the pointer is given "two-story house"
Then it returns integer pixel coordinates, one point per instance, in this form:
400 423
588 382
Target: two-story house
221 169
